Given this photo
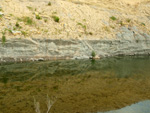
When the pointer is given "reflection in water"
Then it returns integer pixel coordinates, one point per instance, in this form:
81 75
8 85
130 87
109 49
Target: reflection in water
79 86
141 107
122 67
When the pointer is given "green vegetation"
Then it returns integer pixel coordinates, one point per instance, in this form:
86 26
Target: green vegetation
30 8
54 12
128 20
1 9
112 27
45 20
56 18
121 23
26 20
38 17
3 36
11 15
93 54
14 28
49 4
3 39
143 24
113 18
17 25
1 16
90 33
10 31
80 35
84 20
83 26
45 30
24 33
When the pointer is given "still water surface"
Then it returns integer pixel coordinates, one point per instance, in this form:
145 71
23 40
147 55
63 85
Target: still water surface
76 86
141 107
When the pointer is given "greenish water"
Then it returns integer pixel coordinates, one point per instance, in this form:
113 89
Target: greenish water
122 67
76 86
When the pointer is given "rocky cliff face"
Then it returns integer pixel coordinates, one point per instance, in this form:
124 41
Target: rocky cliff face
130 41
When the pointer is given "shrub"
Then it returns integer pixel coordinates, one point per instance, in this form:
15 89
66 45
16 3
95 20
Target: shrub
3 39
143 24
14 28
38 17
93 54
49 4
90 33
113 18
3 36
56 18
17 24
45 20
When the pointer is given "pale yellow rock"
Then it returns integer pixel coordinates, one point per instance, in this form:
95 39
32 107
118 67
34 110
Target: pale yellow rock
15 33
96 57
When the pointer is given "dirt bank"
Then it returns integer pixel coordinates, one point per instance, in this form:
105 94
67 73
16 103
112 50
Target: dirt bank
67 19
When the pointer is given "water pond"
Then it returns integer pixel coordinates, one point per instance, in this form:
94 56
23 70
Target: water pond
111 85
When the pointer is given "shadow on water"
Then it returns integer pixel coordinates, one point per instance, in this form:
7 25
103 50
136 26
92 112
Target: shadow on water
80 86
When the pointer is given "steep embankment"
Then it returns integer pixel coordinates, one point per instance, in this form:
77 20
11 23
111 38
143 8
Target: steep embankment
73 29
77 18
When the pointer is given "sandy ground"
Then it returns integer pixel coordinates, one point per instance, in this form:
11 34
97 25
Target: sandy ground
77 18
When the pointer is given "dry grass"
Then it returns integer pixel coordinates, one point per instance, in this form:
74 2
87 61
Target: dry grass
35 14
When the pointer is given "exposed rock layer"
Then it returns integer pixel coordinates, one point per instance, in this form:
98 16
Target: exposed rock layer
128 42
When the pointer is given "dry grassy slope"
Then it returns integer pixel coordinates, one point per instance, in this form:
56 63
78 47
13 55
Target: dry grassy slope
78 18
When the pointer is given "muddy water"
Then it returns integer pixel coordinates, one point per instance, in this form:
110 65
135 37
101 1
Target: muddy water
74 86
